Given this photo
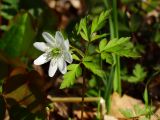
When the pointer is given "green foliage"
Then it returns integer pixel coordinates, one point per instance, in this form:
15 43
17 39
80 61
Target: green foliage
88 33
99 21
92 82
94 68
128 113
83 30
91 47
88 61
13 3
134 25
19 39
157 36
69 78
6 7
145 96
108 57
102 45
92 85
1 85
139 74
121 47
104 55
95 37
137 111
75 57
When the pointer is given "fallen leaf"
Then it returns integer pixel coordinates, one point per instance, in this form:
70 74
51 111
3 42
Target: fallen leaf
124 102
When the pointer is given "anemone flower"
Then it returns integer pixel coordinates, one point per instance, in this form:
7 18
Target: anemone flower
56 50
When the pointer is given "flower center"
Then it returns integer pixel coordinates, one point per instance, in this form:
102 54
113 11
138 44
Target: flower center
56 51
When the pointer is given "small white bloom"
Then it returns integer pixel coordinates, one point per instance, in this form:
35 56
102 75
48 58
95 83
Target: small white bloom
56 50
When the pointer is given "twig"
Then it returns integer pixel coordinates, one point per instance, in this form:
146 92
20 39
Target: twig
73 99
79 99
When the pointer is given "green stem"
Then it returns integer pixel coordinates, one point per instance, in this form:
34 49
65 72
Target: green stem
108 89
113 23
114 79
83 93
83 88
86 52
77 50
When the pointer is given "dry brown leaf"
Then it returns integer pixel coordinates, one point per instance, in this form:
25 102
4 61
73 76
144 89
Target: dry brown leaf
24 89
87 115
156 115
61 109
118 102
108 117
18 70
38 69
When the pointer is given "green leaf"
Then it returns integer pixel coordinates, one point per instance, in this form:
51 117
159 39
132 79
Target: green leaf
157 37
80 25
145 96
128 113
99 22
18 40
88 58
12 2
138 74
95 37
116 44
78 51
102 44
6 15
82 29
134 25
127 53
84 26
92 82
139 110
92 92
69 78
75 57
83 35
108 57
94 24
4 27
121 47
94 68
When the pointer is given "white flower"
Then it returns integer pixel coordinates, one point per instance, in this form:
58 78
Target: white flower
55 50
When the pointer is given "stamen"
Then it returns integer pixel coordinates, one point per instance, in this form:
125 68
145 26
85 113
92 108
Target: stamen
56 51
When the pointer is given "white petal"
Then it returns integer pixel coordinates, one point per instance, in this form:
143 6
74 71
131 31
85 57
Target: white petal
42 59
59 38
52 67
66 43
68 57
62 66
48 38
41 46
